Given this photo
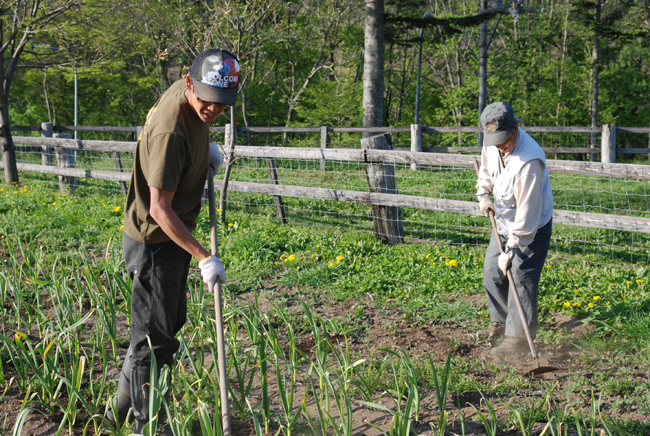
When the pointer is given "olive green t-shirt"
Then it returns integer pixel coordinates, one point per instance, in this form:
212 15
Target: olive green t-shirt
172 153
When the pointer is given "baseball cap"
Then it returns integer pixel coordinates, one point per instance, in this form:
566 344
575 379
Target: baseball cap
215 75
497 121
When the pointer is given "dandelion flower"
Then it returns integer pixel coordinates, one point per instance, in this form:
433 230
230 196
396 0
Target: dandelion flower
628 283
577 304
452 262
116 209
282 257
331 264
591 305
230 224
428 256
597 297
2 189
54 204
122 227
557 301
291 257
339 258
567 304
433 263
219 210
639 281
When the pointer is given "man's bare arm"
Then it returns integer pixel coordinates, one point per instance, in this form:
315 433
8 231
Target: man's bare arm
161 211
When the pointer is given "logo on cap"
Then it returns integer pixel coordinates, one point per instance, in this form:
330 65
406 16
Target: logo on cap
220 73
492 127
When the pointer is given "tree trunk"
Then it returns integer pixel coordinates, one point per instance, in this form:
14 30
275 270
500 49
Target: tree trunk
8 149
594 83
387 220
373 66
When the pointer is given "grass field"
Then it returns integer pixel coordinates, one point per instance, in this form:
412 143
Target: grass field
327 328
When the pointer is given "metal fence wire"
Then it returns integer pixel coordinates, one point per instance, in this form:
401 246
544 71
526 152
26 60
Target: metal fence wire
313 186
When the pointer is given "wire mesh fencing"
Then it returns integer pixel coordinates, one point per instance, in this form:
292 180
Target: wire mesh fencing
327 186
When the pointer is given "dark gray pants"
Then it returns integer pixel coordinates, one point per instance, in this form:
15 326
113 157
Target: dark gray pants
158 312
526 271
158 300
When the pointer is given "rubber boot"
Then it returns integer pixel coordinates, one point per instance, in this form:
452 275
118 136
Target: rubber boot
140 401
121 402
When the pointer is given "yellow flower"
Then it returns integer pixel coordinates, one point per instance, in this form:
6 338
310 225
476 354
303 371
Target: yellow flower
639 281
122 227
567 304
578 292
557 301
577 304
2 189
282 257
440 254
628 283
230 224
548 266
291 257
331 264
54 203
219 210
433 263
428 256
339 258
591 305
452 262
15 192
597 297
116 209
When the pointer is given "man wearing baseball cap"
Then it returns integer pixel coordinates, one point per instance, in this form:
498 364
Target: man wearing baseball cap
513 169
164 200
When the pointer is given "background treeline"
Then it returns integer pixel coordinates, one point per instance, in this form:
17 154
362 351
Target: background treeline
303 61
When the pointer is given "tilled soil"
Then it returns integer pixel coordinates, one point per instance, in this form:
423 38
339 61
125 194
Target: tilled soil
384 327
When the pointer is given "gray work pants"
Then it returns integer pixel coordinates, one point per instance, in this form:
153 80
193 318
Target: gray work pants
158 300
526 271
158 312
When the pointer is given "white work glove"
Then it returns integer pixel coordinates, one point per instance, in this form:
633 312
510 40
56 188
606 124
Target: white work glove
216 159
505 259
485 204
212 270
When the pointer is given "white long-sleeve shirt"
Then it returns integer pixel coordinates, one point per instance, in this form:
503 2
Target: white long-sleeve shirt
528 195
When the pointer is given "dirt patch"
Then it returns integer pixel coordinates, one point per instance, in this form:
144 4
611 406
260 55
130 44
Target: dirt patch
368 328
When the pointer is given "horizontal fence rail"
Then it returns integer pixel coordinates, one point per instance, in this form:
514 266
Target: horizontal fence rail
313 167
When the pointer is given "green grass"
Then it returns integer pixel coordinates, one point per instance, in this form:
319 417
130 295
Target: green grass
66 250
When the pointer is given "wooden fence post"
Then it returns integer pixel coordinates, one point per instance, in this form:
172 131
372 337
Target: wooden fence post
118 167
65 159
608 144
279 203
416 142
229 144
46 132
387 220
323 146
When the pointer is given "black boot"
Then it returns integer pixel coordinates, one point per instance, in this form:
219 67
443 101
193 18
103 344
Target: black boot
121 402
140 390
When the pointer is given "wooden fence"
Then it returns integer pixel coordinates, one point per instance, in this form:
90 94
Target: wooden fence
429 157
